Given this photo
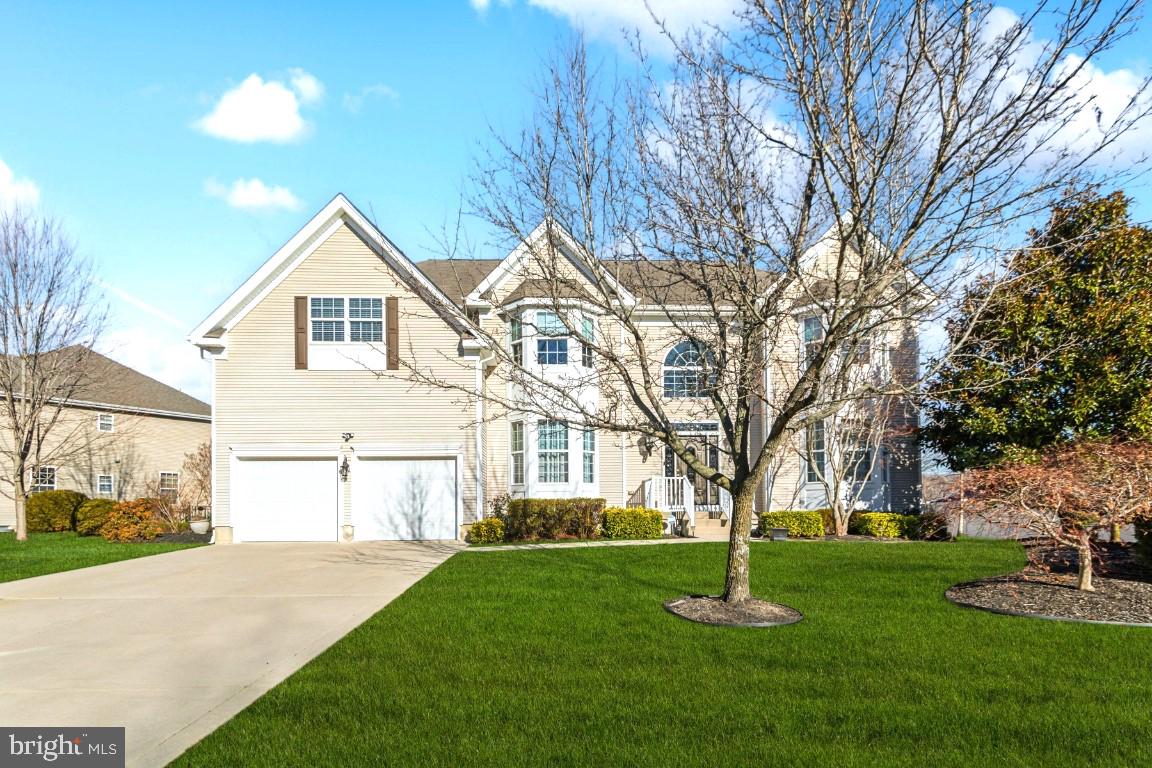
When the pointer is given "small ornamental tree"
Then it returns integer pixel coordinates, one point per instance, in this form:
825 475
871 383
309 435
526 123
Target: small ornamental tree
1068 494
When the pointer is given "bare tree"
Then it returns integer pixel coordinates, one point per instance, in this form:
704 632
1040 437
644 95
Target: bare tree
49 319
827 177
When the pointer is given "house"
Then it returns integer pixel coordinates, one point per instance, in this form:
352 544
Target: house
353 398
121 435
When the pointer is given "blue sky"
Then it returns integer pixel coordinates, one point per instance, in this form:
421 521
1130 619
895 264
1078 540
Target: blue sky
180 146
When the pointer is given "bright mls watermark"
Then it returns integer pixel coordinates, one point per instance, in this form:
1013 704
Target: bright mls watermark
88 747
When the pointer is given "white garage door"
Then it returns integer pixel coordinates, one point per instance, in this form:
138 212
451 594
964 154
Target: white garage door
285 500
404 499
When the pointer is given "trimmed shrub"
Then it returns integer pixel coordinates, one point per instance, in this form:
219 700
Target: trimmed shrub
132 521
883 525
801 523
633 523
92 515
529 519
487 531
50 511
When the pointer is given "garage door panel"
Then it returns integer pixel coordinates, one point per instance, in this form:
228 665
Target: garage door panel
285 499
404 499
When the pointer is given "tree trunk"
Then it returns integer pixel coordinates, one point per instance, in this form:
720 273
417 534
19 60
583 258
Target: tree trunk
736 586
18 502
840 517
1084 552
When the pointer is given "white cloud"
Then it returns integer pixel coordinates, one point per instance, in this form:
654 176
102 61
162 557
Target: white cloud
606 18
263 110
15 191
253 195
162 354
1103 97
307 87
353 102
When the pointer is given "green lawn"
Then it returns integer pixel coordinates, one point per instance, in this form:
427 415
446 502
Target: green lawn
567 658
51 552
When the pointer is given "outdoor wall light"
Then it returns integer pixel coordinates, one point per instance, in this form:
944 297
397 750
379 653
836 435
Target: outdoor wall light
344 470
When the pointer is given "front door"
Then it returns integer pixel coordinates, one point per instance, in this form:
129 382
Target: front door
707 494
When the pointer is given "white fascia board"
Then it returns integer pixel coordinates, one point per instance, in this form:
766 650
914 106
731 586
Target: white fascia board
340 211
309 232
572 251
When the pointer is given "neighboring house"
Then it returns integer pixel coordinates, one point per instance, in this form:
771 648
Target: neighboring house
321 433
120 436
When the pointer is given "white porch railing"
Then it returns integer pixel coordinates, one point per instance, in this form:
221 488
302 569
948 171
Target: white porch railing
675 497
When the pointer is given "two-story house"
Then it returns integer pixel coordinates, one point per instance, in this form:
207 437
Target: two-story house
323 430
121 435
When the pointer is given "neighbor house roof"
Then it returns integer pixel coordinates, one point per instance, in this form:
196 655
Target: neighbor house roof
107 382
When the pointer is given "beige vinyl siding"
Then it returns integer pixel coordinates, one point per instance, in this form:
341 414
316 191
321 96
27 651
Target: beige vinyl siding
135 453
262 400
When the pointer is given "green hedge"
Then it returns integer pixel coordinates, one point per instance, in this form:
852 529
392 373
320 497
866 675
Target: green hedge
633 523
801 523
490 530
91 516
529 519
884 525
51 511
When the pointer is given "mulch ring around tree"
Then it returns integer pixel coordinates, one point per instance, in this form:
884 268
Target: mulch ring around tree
707 609
1047 589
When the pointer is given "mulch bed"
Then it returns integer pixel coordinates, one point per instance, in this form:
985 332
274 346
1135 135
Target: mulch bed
187 537
1047 588
706 609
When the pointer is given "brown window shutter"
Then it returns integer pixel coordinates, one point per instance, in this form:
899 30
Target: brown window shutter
301 333
392 326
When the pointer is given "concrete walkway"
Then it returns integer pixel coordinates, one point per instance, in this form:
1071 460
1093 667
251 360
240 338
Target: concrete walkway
172 646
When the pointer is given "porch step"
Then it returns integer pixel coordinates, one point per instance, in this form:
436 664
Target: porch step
707 528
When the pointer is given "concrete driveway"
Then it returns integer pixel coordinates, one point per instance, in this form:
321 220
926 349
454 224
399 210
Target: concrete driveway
171 646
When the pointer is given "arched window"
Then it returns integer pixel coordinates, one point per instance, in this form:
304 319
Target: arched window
689 369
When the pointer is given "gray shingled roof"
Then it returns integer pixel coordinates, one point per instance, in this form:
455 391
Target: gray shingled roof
647 279
109 383
456 278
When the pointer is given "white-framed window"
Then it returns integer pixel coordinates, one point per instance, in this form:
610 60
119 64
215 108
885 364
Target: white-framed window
552 451
338 318
813 332
587 331
517 442
815 452
105 422
105 485
688 370
169 483
589 463
43 479
858 464
552 339
516 333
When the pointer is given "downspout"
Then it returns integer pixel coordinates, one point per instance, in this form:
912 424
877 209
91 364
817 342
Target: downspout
481 479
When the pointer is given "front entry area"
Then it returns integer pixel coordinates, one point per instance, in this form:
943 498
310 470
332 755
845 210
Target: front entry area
405 499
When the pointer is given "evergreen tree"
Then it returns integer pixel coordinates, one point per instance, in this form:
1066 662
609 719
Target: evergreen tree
1061 351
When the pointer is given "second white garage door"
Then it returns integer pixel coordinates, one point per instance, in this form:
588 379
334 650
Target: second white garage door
404 499
285 499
